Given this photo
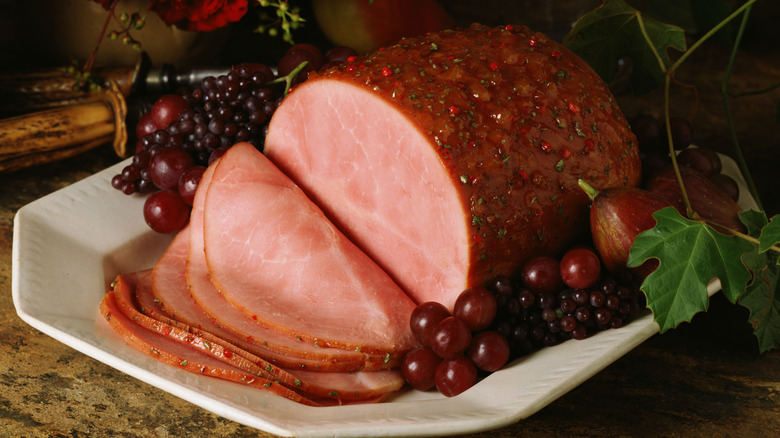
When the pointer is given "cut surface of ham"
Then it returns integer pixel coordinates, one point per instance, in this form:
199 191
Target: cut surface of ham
284 264
452 158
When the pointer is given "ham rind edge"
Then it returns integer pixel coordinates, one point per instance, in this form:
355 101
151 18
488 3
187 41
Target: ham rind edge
452 158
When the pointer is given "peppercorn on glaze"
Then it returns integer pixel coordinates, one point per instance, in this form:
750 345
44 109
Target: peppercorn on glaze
453 157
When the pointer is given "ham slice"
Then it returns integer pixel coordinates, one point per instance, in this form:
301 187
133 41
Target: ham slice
341 386
167 350
198 304
453 157
283 263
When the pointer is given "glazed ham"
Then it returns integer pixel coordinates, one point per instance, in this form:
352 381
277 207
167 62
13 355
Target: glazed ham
453 157
400 177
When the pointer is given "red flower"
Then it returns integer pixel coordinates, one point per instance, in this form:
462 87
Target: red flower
199 15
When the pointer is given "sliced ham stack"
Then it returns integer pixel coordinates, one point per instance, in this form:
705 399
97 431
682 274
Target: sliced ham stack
453 157
273 287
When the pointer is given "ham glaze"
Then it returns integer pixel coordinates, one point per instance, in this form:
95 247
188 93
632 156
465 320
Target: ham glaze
453 157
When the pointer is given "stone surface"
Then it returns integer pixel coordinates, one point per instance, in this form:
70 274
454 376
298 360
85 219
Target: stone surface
704 378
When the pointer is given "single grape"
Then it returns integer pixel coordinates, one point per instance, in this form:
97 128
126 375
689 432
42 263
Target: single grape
450 338
475 306
294 57
542 274
167 108
602 315
649 133
682 132
526 298
568 323
167 166
582 314
339 54
165 212
425 318
188 183
489 350
704 160
580 268
453 376
146 125
419 368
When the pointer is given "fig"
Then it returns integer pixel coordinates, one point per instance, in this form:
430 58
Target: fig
617 215
707 199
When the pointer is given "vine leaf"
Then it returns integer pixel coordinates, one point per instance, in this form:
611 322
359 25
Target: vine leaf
760 296
770 235
614 31
690 255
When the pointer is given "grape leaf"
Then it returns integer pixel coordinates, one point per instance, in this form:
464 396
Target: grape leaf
690 255
760 298
770 235
614 31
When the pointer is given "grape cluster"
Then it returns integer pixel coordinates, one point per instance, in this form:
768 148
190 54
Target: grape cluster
455 346
543 308
182 134
652 140
552 301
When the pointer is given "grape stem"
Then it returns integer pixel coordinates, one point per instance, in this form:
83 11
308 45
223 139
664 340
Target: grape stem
745 8
289 78
724 89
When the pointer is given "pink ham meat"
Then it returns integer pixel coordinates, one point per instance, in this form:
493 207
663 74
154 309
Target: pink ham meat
362 386
283 263
175 353
453 157
175 297
231 319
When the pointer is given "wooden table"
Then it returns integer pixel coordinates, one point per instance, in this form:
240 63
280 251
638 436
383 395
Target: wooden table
705 378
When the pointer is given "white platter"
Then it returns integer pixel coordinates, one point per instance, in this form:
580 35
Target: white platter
69 245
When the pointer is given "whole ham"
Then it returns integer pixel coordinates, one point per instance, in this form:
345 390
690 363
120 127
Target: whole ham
453 157
400 177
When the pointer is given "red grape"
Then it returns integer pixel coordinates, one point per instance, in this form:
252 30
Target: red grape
542 274
425 318
167 108
167 166
580 268
649 133
339 54
489 350
704 160
450 338
188 183
146 126
165 212
475 306
453 376
682 132
419 368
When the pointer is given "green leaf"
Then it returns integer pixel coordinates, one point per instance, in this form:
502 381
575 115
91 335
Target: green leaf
690 255
760 298
615 31
754 220
770 235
